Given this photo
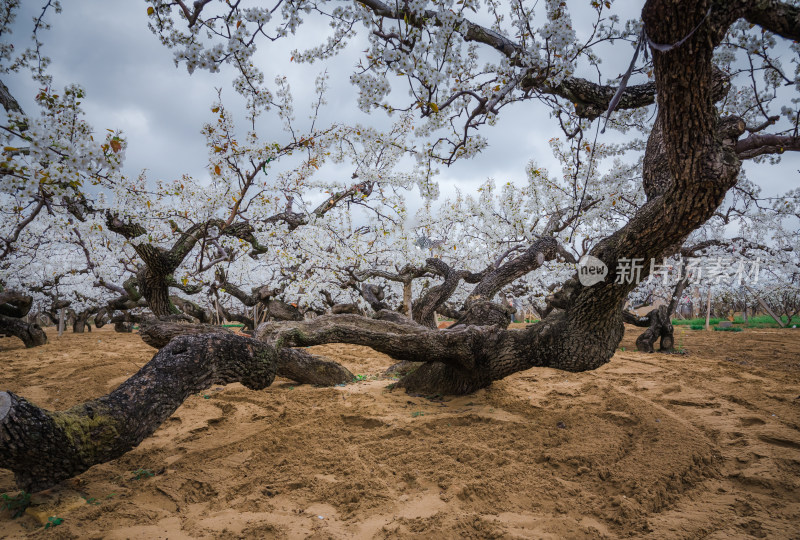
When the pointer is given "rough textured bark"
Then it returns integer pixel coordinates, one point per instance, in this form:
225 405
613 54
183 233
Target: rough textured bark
123 326
483 313
158 333
80 322
190 308
80 325
425 308
155 277
42 448
154 287
31 334
659 325
15 304
307 368
297 365
374 295
473 356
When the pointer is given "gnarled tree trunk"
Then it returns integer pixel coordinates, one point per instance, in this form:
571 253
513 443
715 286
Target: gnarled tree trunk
154 288
158 333
31 334
43 448
659 325
13 307
15 304
80 322
295 364
125 327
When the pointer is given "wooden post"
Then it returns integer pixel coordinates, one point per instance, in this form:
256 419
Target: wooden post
60 322
407 297
766 308
708 309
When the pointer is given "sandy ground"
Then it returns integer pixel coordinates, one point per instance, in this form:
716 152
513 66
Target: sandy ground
705 444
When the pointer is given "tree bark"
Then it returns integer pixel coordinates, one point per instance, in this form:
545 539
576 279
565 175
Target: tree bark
190 308
80 322
154 288
15 304
158 334
374 296
125 327
456 361
424 309
297 365
408 309
283 311
306 368
543 249
42 448
78 325
659 325
338 309
31 334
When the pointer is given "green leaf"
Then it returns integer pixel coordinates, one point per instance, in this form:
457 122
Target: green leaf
53 521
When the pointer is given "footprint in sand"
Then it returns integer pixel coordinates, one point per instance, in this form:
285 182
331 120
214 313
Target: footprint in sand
363 422
780 441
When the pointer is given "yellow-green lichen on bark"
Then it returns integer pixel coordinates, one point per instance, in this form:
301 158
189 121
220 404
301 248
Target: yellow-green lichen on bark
90 430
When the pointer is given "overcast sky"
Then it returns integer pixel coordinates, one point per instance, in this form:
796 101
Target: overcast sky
132 84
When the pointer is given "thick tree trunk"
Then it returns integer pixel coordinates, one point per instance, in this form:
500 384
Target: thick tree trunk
154 288
43 448
457 361
15 304
297 365
80 322
101 317
484 313
374 296
31 334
